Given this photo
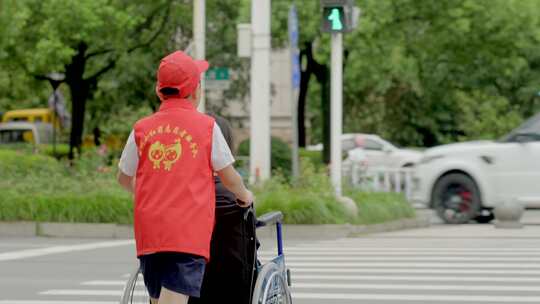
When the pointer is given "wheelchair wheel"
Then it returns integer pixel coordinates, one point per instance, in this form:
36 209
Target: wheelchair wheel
271 286
135 291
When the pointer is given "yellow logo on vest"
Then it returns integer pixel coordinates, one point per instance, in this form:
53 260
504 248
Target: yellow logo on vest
168 155
167 130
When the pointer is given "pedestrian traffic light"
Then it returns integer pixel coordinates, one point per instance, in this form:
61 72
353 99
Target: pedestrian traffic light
338 16
335 16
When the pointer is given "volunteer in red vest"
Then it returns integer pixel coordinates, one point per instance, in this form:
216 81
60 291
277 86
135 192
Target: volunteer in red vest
168 163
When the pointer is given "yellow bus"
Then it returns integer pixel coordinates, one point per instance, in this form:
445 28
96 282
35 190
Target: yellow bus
38 115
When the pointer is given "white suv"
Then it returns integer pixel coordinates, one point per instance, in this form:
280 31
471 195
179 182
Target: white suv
465 181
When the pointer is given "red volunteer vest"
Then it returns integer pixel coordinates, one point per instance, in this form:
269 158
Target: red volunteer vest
174 192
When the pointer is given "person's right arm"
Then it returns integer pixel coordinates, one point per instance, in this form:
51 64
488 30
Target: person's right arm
127 167
234 183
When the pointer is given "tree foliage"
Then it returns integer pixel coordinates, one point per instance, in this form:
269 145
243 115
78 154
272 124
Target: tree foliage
416 72
430 72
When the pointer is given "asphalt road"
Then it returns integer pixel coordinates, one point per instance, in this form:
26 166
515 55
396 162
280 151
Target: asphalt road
440 264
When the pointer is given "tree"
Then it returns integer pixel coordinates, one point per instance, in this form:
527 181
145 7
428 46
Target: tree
84 40
412 62
415 67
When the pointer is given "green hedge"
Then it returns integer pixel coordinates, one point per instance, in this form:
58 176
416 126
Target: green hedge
40 188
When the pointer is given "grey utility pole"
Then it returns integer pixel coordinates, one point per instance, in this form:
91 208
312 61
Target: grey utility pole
199 37
260 91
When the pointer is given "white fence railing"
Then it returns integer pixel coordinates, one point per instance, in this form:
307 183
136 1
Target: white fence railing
381 179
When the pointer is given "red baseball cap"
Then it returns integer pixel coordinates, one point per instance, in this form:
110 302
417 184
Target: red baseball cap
180 71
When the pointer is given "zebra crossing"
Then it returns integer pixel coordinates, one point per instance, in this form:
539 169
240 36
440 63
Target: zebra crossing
404 267
416 268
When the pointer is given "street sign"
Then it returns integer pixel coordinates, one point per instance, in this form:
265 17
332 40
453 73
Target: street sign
217 79
293 42
217 73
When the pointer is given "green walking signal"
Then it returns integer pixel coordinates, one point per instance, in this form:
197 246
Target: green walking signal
335 18
339 16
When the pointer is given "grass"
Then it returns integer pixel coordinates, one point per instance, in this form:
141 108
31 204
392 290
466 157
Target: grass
37 187
375 208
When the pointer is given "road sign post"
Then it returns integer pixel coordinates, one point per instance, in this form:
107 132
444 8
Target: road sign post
295 85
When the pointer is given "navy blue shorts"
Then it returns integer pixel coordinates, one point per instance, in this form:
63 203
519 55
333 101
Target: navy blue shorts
180 272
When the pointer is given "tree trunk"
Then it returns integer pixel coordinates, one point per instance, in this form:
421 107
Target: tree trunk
321 72
80 91
325 107
302 96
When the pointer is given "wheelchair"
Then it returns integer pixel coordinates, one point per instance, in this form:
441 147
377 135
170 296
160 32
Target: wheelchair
272 280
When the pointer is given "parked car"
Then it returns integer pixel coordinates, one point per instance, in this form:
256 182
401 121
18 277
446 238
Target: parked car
374 151
380 153
19 132
465 181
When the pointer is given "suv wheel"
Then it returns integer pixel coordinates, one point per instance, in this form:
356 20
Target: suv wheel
456 199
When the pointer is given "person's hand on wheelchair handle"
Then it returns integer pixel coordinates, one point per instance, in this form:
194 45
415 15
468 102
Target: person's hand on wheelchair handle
246 199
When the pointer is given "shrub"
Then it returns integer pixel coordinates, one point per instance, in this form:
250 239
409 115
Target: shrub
280 158
315 157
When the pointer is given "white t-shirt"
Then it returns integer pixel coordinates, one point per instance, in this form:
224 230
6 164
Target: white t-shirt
221 153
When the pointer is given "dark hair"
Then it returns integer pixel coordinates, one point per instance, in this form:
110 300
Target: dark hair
225 129
167 91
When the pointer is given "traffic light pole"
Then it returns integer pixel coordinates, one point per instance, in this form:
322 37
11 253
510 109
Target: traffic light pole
336 109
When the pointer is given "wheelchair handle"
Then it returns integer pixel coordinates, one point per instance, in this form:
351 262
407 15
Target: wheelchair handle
273 218
270 218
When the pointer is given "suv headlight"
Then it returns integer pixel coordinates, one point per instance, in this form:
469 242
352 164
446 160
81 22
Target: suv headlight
430 158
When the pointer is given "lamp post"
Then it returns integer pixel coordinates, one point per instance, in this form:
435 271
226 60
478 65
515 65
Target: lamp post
55 79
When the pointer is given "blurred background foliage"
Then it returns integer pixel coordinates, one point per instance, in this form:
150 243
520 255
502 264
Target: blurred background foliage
419 73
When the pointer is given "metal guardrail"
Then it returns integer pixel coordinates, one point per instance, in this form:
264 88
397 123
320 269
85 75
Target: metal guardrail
381 179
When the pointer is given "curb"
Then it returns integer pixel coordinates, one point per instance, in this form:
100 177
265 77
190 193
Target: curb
18 229
65 230
114 231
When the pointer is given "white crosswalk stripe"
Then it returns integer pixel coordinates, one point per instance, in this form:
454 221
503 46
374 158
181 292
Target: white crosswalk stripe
331 273
343 271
